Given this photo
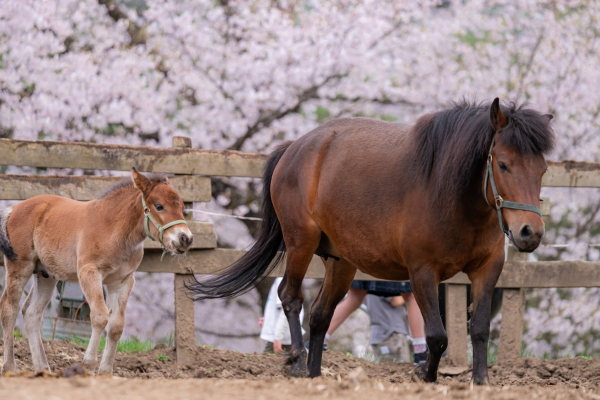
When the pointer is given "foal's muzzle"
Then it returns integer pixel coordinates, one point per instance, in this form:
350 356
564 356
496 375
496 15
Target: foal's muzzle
183 243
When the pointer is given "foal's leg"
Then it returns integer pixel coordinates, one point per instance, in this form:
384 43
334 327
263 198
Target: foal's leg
17 275
301 245
338 278
33 310
91 284
425 288
117 301
483 282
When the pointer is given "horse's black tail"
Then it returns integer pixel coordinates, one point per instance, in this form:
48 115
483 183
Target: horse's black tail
260 260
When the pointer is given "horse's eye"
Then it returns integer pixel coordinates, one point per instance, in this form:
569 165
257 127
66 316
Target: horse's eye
158 207
502 166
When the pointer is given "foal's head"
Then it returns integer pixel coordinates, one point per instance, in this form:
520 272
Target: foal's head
165 205
522 137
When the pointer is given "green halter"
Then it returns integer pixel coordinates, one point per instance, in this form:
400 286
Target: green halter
161 229
500 203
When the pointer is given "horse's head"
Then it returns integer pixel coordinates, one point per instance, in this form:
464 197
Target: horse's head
165 206
518 164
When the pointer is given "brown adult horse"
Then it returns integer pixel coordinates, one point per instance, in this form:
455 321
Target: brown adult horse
399 202
97 242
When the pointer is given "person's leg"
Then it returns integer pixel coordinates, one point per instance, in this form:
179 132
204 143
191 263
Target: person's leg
417 327
346 307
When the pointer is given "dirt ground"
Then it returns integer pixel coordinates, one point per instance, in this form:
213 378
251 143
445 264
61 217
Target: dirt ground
222 374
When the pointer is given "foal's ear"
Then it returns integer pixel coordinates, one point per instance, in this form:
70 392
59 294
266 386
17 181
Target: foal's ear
497 117
140 180
549 116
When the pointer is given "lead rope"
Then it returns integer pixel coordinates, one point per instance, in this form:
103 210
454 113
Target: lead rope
161 229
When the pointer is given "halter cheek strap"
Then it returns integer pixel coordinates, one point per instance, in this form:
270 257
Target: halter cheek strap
501 203
161 229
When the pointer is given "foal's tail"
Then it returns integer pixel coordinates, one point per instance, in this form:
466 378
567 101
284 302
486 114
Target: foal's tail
261 259
5 246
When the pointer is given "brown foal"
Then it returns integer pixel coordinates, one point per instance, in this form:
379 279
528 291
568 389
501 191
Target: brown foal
100 242
398 202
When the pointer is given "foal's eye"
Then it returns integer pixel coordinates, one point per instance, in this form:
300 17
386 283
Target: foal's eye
158 207
502 166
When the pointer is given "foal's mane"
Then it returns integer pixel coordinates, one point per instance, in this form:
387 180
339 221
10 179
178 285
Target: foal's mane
128 182
451 145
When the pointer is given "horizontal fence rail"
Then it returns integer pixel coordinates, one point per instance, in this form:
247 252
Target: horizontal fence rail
22 187
181 160
90 156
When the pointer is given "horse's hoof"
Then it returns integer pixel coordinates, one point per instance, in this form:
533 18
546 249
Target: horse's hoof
299 368
90 366
418 373
476 381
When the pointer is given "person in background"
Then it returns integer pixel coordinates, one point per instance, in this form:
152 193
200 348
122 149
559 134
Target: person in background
274 325
389 328
356 296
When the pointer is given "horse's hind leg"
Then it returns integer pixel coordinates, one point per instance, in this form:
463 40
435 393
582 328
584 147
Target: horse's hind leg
338 278
425 287
33 310
17 275
117 301
301 244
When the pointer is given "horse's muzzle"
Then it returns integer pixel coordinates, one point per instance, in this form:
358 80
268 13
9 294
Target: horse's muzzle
527 239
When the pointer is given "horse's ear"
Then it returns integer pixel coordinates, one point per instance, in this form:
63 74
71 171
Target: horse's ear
140 180
497 117
549 116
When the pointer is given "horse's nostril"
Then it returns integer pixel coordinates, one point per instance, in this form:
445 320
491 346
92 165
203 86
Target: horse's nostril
526 232
185 240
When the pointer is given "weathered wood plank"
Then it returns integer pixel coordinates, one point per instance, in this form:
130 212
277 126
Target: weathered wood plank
205 162
185 329
456 324
84 188
175 160
204 236
511 327
516 274
513 307
572 174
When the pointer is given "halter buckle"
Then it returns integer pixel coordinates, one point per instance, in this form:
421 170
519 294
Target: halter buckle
499 201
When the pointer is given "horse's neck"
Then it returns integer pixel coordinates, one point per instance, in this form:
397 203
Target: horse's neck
131 219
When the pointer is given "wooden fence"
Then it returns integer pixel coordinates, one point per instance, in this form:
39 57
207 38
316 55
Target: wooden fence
193 168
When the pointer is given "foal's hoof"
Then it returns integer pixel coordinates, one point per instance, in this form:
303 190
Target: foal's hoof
12 368
298 361
90 366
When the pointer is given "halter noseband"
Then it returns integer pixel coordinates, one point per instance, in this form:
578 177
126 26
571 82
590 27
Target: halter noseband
501 203
161 229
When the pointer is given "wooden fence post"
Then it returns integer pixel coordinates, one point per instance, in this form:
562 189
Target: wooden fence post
456 324
513 308
185 327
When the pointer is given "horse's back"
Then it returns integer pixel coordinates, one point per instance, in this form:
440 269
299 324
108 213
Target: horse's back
45 224
347 177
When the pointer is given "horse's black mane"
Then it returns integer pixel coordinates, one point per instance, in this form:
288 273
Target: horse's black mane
452 145
128 182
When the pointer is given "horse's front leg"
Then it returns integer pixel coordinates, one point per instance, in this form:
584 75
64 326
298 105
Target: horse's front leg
425 282
91 285
117 302
483 280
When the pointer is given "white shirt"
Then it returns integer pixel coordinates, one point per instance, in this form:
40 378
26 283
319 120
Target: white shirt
275 326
